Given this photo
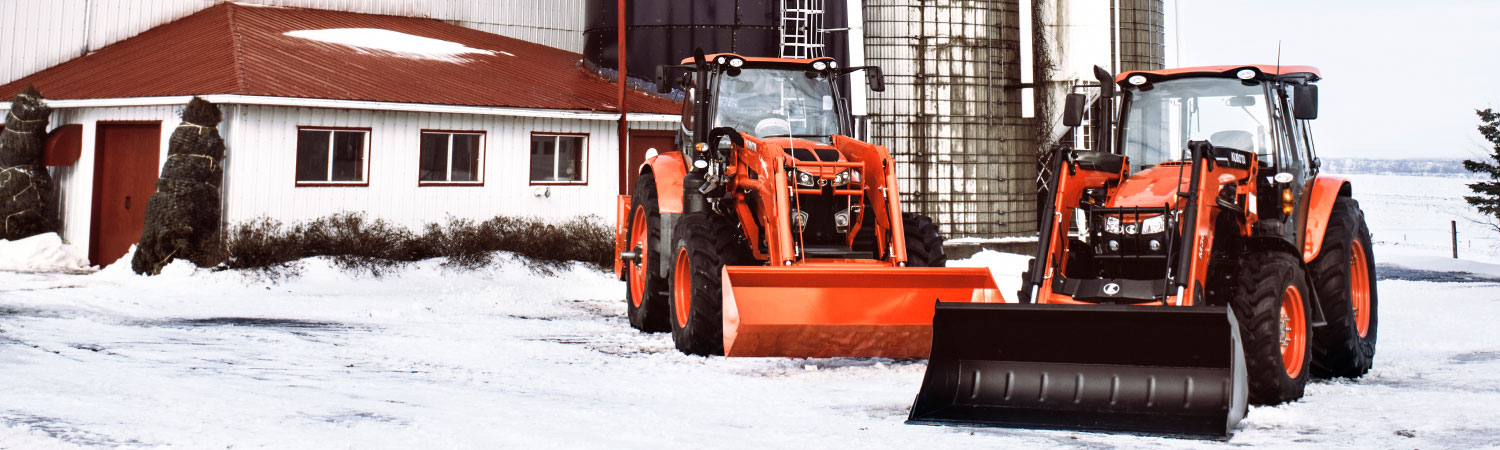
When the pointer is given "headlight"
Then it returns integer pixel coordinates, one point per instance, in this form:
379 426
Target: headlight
819 65
1154 225
1112 225
805 179
843 178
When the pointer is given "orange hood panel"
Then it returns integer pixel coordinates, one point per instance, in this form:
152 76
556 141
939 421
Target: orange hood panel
1153 187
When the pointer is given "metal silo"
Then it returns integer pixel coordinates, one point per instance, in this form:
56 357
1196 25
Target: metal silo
951 112
666 31
1141 36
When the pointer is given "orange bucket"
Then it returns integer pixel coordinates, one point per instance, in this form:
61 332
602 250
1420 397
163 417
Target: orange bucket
820 312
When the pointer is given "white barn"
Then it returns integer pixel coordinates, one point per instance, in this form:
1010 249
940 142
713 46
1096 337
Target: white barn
410 120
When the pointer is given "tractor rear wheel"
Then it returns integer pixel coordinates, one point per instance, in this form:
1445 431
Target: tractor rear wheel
1272 307
705 244
1344 275
645 292
924 247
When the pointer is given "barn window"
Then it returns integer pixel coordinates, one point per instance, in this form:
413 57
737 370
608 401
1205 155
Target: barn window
557 158
451 157
332 156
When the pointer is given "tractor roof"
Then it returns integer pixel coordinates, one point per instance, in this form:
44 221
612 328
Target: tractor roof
759 59
1266 71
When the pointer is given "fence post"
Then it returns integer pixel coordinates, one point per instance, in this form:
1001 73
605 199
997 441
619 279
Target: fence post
1454 225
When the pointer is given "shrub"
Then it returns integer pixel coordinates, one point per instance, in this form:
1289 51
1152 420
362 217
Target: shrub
355 243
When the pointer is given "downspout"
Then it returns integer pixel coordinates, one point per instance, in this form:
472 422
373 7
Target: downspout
621 75
87 14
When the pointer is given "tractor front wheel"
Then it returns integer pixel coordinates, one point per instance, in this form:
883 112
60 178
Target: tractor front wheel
705 244
1344 275
1272 307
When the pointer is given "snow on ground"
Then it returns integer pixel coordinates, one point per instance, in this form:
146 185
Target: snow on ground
428 357
43 252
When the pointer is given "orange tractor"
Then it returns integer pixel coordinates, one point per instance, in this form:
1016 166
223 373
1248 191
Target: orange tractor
1196 262
770 232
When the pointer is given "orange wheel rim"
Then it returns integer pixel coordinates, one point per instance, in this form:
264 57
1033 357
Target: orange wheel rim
1359 288
1293 332
638 268
682 287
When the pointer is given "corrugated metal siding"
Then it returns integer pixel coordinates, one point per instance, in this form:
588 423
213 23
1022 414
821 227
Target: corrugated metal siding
37 34
260 180
76 182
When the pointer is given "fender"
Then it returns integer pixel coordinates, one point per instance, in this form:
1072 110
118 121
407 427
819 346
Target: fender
668 169
1325 190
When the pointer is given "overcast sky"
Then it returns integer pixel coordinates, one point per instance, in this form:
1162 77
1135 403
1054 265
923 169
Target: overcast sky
1401 79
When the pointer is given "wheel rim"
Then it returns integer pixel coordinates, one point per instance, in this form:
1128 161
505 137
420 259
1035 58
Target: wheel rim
638 268
682 288
1359 288
1293 332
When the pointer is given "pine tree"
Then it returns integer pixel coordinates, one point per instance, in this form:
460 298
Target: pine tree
1488 200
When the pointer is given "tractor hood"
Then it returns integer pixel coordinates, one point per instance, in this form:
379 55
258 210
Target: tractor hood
1153 187
806 150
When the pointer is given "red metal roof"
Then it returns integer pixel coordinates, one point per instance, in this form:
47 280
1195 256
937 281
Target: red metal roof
238 49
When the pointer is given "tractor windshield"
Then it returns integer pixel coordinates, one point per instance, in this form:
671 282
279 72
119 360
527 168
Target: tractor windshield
1226 112
777 102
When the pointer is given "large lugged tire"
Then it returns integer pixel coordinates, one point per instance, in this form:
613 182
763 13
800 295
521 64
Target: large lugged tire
924 247
646 290
1344 275
705 244
1272 307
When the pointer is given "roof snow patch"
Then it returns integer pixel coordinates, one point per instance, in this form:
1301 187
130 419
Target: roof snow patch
379 41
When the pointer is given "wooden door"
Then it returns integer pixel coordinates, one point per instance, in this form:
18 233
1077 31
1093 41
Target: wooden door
640 142
126 158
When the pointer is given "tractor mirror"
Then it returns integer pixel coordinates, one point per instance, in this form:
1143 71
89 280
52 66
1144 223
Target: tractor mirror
1073 107
875 78
1305 101
661 80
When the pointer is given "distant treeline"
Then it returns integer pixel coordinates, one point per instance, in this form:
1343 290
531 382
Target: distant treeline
1441 167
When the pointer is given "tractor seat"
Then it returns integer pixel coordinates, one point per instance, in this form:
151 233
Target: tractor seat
1235 139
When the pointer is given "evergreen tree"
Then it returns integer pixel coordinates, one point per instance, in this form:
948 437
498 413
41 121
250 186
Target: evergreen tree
1488 200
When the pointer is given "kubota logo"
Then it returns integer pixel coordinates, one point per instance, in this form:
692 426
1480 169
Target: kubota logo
1111 289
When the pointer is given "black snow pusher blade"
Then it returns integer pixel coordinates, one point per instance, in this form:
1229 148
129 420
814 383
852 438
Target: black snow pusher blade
1167 370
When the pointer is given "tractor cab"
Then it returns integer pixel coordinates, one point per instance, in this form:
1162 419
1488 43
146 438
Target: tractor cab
766 98
794 104
1251 118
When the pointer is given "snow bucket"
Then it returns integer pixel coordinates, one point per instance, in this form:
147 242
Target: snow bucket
1137 369
819 312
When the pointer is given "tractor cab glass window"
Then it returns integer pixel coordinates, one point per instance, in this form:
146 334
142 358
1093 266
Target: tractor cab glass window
1226 112
776 102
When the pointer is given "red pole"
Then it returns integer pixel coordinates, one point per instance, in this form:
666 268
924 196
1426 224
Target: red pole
624 131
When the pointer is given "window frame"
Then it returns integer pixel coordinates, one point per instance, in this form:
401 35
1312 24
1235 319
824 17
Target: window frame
365 171
583 181
484 140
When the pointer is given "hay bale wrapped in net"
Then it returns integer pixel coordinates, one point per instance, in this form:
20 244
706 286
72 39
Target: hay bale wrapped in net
182 217
28 197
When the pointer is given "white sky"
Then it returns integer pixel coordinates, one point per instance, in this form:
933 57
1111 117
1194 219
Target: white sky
1401 78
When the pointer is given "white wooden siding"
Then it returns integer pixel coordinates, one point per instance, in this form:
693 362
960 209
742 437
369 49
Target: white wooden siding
37 34
260 169
76 182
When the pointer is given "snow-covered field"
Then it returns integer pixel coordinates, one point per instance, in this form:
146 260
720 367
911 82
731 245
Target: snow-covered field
500 358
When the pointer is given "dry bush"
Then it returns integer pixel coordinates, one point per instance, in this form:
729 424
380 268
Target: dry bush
355 243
